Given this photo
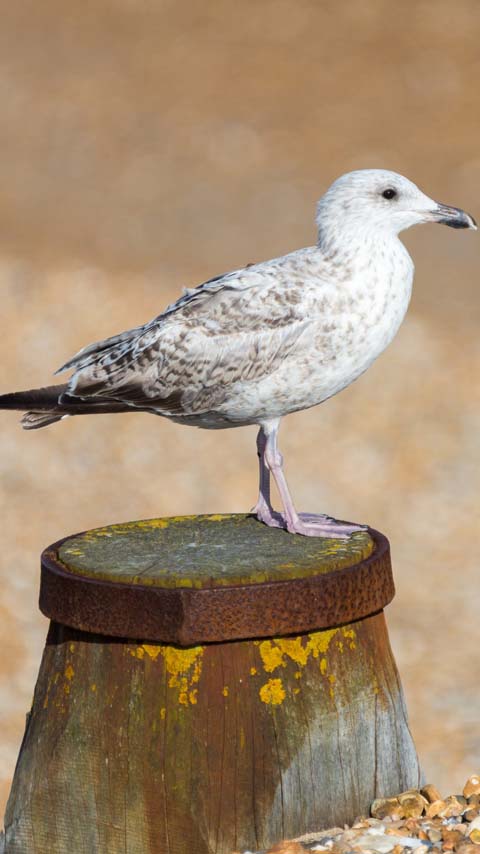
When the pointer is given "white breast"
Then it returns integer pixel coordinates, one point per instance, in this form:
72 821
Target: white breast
352 323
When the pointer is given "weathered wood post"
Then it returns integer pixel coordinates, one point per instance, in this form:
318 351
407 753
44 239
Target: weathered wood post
208 684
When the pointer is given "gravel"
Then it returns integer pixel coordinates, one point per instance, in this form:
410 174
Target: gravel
418 821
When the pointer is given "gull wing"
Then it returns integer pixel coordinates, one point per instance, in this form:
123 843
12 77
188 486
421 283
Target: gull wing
234 329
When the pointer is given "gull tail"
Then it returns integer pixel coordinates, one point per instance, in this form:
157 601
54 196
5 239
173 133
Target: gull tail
40 405
44 406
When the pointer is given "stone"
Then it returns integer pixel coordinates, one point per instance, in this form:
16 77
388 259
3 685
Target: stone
452 808
451 838
431 793
413 804
472 786
467 848
381 844
434 834
475 824
383 807
435 808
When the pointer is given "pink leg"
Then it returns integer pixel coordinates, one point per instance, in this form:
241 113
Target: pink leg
307 524
263 508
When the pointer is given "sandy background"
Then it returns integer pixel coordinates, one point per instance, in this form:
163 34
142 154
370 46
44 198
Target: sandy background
147 146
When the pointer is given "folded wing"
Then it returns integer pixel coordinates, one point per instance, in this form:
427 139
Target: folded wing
236 329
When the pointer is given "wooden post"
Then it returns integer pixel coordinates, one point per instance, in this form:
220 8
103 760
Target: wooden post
208 685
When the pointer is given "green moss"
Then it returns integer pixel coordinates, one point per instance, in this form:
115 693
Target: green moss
206 551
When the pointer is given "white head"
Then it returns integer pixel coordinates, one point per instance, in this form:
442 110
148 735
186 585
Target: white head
382 203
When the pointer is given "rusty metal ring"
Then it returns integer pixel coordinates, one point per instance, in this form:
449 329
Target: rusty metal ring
189 616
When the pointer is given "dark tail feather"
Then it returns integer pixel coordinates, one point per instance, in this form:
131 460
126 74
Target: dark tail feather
42 403
37 398
35 420
42 406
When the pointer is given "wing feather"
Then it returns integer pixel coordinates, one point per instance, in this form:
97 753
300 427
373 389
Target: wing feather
237 328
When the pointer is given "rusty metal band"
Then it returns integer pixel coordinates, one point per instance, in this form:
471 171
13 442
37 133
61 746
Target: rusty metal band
188 616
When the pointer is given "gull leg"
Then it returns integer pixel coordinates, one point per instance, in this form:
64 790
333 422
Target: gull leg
263 508
305 523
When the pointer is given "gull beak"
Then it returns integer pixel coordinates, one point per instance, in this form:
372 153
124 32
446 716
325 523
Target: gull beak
454 217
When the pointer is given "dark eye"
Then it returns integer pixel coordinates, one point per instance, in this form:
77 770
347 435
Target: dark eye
389 194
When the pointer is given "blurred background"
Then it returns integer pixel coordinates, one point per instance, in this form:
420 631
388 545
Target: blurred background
149 146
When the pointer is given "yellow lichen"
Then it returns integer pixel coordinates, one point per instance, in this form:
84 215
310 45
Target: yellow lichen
275 653
323 665
69 672
152 651
93 687
318 642
273 692
350 635
163 712
253 671
183 667
272 655
181 660
225 691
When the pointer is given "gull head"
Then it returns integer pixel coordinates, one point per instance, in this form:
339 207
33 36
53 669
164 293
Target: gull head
383 202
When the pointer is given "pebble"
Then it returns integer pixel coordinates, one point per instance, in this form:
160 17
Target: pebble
413 804
472 786
435 809
453 807
387 807
382 844
431 793
451 838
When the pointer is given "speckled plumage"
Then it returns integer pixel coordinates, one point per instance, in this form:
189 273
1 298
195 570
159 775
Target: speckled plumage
258 343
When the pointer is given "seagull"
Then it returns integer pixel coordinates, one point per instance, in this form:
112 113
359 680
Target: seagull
256 344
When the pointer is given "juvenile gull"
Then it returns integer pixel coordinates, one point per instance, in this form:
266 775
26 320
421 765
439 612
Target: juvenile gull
272 338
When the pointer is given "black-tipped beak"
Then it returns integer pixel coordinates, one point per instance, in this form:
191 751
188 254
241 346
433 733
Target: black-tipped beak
454 217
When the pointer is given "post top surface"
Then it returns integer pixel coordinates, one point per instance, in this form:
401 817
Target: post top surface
205 579
205 552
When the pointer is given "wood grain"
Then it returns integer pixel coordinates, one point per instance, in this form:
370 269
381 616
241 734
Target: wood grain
136 748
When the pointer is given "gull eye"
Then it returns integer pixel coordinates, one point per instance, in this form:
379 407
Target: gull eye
389 194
